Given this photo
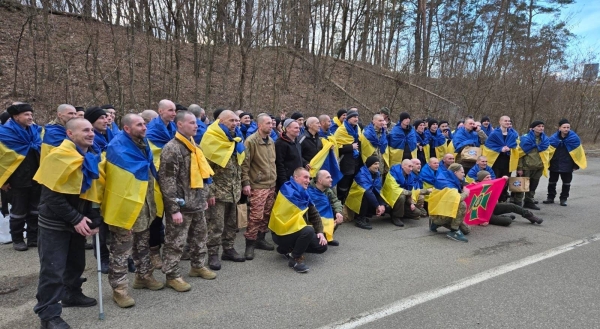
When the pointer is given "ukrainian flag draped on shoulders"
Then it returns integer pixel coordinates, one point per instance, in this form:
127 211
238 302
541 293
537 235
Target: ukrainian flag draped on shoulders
573 145
287 215
200 170
496 141
54 135
395 184
158 135
363 181
438 142
335 125
528 142
69 170
101 141
325 159
346 134
428 177
218 145
461 138
15 144
370 143
128 170
445 197
321 202
398 140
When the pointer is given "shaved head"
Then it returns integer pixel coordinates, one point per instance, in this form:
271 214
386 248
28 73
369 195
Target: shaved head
148 115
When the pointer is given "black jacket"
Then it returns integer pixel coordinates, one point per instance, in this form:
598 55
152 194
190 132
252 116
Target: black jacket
288 157
348 164
310 145
561 160
61 212
23 175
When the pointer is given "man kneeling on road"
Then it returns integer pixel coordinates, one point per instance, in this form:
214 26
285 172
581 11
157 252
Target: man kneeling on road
329 206
449 189
403 206
289 227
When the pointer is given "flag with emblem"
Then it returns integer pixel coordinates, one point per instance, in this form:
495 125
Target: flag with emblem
482 200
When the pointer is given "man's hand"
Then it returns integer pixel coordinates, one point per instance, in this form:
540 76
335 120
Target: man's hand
322 240
505 177
412 207
246 190
339 218
177 218
466 190
308 167
211 202
83 228
505 149
5 187
380 210
355 146
519 173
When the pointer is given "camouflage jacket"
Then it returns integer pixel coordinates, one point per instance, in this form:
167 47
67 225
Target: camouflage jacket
174 180
336 204
227 181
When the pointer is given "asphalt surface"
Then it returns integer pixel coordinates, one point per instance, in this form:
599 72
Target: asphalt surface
367 272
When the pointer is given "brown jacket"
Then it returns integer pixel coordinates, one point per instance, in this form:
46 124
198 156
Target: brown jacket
174 180
258 169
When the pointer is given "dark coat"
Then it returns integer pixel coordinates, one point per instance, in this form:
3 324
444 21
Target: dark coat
310 145
561 160
288 157
59 211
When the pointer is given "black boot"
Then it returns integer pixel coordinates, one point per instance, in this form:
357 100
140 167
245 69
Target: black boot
78 299
55 323
530 205
563 202
533 219
214 263
548 201
362 223
263 244
249 253
232 255
19 246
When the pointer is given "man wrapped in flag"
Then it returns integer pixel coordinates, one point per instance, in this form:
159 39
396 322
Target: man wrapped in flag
340 117
566 156
483 206
69 177
19 160
110 117
224 149
423 147
183 178
374 142
403 140
159 132
365 198
129 207
325 130
55 131
447 205
347 139
419 192
327 203
435 139
428 176
534 161
501 151
397 192
325 160
289 228
468 135
481 164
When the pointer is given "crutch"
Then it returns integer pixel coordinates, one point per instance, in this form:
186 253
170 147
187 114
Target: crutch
101 316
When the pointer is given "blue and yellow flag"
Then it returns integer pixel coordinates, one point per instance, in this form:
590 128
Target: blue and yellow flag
54 135
325 160
218 145
370 144
15 143
335 125
472 174
529 141
398 140
363 181
159 134
128 171
428 176
101 140
391 190
200 170
321 202
573 145
445 197
438 142
346 134
292 202
496 141
200 132
67 169
462 138
248 130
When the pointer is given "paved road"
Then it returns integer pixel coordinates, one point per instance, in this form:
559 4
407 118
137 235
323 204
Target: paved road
369 272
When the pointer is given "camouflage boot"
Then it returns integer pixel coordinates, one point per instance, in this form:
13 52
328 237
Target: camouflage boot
178 285
155 257
262 244
147 282
121 296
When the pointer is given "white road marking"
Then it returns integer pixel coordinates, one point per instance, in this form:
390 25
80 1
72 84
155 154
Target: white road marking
414 300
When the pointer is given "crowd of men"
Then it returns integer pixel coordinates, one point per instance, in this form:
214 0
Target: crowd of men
165 186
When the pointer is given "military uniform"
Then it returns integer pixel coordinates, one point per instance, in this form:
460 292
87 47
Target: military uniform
174 181
532 167
454 223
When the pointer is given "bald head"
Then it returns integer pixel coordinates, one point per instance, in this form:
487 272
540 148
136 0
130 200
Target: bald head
148 115
166 111
313 125
416 165
323 180
378 121
229 119
448 159
434 163
407 166
65 112
505 121
80 132
197 111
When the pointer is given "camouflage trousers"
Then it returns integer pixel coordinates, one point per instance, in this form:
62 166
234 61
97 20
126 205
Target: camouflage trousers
261 203
125 243
402 208
222 226
454 223
193 232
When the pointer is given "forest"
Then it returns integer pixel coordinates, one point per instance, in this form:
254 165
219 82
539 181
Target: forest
431 58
